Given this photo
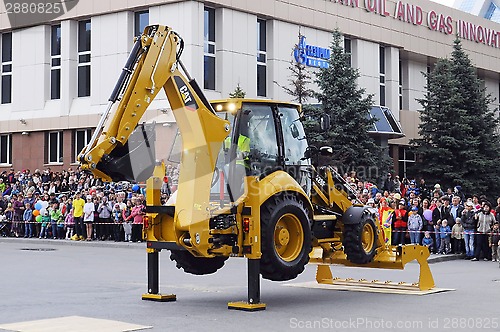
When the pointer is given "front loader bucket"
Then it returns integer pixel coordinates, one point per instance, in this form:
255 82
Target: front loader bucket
391 257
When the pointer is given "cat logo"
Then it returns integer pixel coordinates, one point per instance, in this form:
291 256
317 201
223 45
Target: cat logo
186 94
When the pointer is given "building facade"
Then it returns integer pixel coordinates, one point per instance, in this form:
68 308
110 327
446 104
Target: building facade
58 75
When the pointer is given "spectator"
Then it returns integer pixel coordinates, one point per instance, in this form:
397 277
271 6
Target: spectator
428 242
469 224
118 220
415 225
485 220
457 237
55 213
400 219
27 218
45 223
17 218
437 232
136 216
495 242
444 235
456 208
424 190
88 216
78 204
105 208
69 223
437 190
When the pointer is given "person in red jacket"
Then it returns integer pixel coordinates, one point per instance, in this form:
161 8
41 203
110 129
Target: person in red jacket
400 222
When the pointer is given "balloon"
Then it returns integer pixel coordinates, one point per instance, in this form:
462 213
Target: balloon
428 215
38 205
45 204
42 211
135 187
38 218
36 213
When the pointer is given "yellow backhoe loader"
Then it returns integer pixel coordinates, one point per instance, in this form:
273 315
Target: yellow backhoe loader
247 187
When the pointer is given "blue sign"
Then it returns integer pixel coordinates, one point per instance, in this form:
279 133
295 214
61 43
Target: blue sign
312 56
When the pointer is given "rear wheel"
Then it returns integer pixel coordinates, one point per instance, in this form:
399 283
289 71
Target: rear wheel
286 238
196 265
360 240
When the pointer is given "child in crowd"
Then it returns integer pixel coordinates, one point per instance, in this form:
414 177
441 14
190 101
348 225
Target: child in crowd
457 237
45 222
445 234
69 222
427 241
494 242
415 225
118 220
55 213
60 226
27 217
127 227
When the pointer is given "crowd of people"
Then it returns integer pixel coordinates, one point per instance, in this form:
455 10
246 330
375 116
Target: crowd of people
447 222
74 205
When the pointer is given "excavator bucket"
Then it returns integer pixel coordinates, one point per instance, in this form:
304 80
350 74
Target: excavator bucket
391 257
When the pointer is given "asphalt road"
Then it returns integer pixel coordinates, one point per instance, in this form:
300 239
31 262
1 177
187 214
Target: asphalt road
106 281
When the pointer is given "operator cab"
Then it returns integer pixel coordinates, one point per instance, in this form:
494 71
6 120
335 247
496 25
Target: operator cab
266 136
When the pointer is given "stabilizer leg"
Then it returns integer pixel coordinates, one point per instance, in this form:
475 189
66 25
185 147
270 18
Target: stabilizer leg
253 303
154 280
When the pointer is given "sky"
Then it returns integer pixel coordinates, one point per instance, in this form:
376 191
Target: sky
445 2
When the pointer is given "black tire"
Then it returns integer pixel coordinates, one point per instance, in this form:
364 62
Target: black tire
359 246
196 265
285 219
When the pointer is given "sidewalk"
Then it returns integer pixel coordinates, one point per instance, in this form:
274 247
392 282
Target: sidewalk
37 241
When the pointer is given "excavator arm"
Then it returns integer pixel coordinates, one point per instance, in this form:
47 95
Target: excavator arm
154 62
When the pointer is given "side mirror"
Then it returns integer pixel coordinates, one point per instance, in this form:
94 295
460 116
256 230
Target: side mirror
326 150
324 122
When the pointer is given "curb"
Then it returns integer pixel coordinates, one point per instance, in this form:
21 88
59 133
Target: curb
437 258
101 244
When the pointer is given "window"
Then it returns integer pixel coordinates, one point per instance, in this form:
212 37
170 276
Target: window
261 58
6 149
493 13
209 49
84 58
348 50
406 159
141 21
54 147
81 138
6 68
55 58
382 75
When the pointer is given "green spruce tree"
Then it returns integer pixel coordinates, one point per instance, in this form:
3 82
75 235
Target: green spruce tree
348 108
481 166
444 130
238 92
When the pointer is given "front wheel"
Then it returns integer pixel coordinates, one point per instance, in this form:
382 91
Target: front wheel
360 240
286 238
